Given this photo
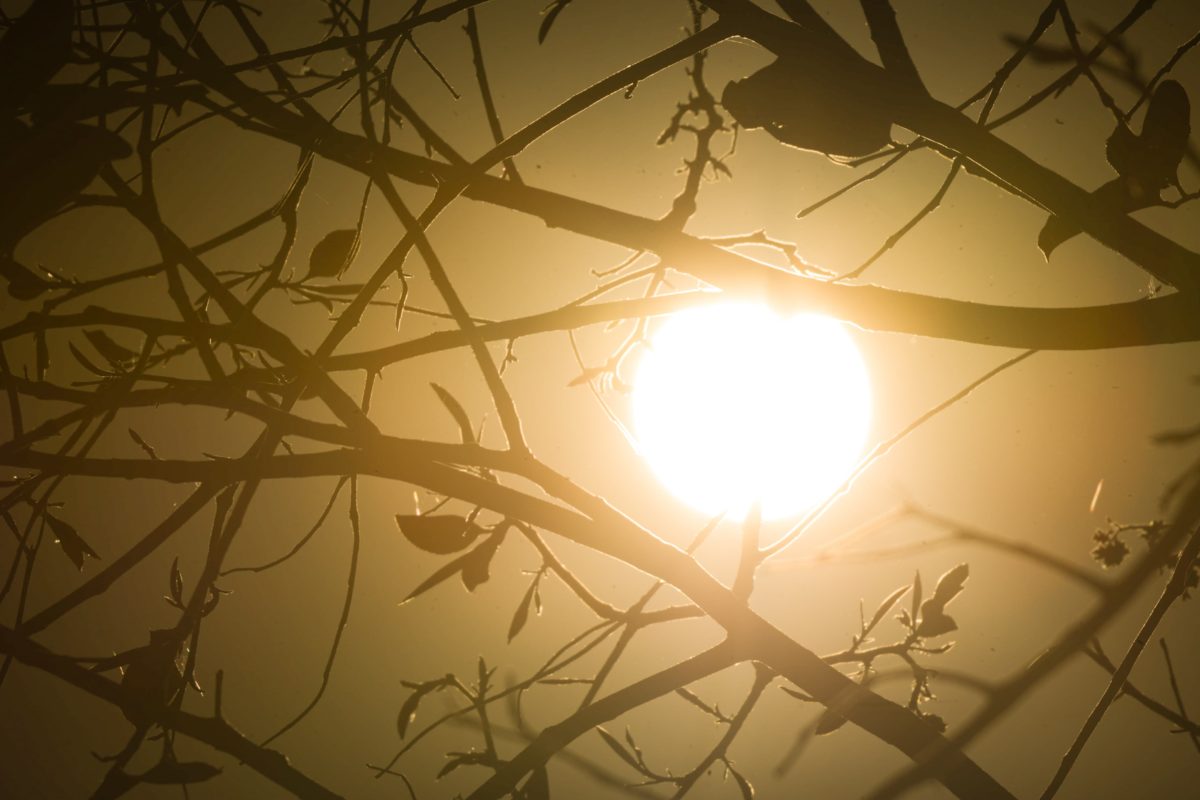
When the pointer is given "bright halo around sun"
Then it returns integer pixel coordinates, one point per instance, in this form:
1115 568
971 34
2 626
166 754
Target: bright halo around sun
733 404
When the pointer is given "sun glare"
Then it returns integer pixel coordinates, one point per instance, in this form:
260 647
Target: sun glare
734 404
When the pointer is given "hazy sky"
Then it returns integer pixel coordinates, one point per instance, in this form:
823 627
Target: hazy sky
1021 457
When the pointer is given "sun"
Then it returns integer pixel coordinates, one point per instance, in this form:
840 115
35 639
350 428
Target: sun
733 404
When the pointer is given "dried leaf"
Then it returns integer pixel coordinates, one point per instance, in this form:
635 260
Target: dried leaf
442 535
331 255
70 540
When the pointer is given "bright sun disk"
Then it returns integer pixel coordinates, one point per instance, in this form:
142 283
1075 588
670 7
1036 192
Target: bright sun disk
734 404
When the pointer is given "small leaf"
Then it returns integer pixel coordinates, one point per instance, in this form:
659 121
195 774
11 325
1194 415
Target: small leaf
456 411
117 356
461 759
473 567
934 622
695 700
587 375
178 772
70 540
916 598
884 608
521 616
331 255
476 568
85 363
618 748
210 604
176 583
439 575
829 722
409 710
41 355
744 786
549 14
951 583
442 535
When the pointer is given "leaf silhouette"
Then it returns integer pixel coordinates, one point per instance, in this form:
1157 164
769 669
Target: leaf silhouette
408 711
442 535
464 759
1146 163
884 608
618 748
176 583
23 283
935 623
456 411
950 584
117 356
521 615
829 722
41 354
476 568
549 15
333 254
473 567
42 171
152 678
802 108
63 103
179 772
744 785
71 542
934 620
36 46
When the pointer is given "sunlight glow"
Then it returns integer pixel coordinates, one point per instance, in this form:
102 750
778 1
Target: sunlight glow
734 404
